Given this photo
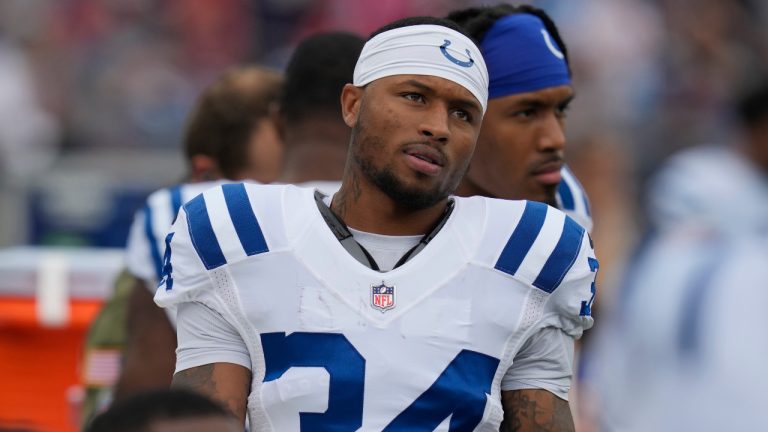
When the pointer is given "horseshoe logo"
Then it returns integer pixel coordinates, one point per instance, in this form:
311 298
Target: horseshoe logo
552 47
453 59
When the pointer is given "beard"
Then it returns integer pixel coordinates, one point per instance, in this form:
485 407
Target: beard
364 152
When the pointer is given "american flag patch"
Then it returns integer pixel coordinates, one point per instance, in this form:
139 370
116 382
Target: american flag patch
102 367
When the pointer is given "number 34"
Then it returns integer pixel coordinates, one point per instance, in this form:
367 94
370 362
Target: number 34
460 390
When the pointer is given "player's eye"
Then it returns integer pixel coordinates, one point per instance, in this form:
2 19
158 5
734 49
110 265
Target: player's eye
562 110
462 115
526 113
414 97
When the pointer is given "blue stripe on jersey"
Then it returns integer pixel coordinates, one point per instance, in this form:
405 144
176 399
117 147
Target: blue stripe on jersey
157 260
244 220
562 258
175 201
696 294
203 238
566 195
522 238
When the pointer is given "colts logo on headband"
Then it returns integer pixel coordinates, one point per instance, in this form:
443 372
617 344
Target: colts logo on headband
551 45
448 55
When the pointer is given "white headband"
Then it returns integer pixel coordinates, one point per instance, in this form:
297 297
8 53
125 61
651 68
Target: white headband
424 49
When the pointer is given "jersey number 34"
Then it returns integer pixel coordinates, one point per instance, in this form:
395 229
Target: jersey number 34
460 391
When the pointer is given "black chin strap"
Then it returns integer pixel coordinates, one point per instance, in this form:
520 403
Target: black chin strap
344 236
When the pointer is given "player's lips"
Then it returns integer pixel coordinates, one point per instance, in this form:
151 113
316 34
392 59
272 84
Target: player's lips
424 158
548 173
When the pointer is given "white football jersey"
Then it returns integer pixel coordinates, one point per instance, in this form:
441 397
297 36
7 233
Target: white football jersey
335 345
151 224
572 199
686 349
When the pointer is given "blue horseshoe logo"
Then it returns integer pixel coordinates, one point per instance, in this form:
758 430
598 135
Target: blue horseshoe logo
447 55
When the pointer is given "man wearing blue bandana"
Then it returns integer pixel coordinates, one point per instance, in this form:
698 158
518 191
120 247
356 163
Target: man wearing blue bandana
520 150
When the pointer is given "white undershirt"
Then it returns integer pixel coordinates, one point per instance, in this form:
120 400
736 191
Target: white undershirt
386 250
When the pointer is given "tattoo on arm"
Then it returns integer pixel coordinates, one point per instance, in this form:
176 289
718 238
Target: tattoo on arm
534 410
227 383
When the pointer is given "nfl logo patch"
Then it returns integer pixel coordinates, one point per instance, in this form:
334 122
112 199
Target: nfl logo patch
382 297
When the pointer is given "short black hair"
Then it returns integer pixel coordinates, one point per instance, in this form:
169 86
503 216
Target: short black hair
478 20
138 412
318 70
423 20
752 105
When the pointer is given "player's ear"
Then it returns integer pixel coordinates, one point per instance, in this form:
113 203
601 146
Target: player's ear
276 117
351 98
204 168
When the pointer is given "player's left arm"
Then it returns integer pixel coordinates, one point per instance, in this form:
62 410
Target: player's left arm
530 410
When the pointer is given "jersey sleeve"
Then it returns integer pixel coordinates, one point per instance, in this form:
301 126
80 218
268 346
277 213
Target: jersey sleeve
138 257
184 275
545 361
569 306
205 337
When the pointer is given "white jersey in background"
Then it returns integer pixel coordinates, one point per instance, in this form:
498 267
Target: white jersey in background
687 348
151 224
493 303
572 199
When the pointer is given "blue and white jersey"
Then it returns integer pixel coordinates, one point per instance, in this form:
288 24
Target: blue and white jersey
687 347
146 241
572 199
335 345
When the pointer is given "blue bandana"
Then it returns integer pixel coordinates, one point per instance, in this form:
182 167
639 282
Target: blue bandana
521 56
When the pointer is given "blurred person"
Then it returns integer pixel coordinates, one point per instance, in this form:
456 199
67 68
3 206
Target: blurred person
314 135
520 151
165 411
391 305
687 349
229 136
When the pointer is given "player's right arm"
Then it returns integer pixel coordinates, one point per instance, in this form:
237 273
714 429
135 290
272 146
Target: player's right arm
225 382
535 410
211 357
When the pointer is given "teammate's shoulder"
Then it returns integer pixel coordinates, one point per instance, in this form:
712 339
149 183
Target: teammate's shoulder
573 200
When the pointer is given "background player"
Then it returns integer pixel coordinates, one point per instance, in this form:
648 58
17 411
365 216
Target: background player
520 151
314 135
686 349
269 301
229 136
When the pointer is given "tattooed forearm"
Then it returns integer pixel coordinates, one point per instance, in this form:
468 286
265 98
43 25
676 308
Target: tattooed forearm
535 411
227 383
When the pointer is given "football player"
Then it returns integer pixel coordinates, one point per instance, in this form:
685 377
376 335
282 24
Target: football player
229 136
686 348
314 135
391 305
520 151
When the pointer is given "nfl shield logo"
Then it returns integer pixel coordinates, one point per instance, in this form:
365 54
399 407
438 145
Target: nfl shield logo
382 297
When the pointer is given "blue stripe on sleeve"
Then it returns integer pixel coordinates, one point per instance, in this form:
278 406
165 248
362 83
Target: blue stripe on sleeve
522 237
244 220
203 238
157 260
562 258
175 201
566 196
